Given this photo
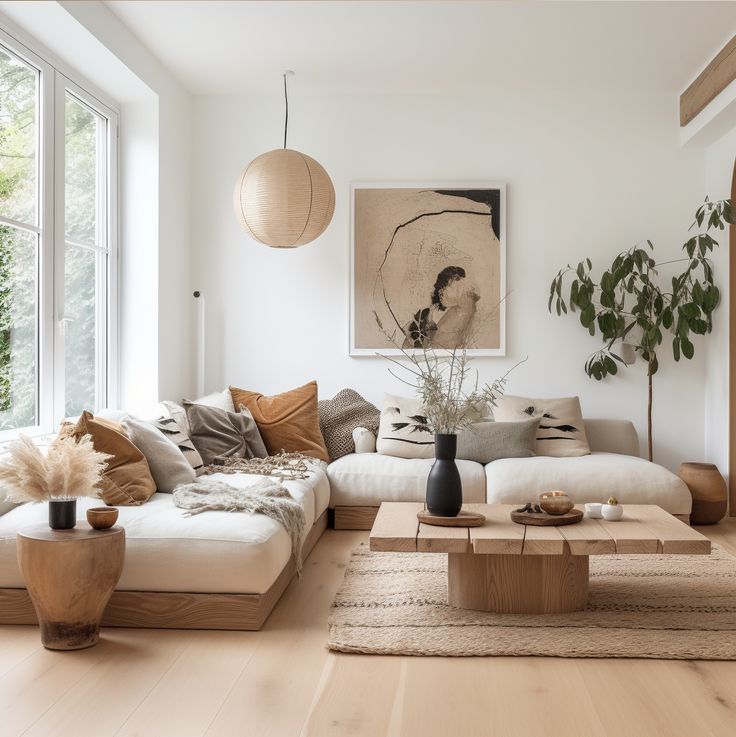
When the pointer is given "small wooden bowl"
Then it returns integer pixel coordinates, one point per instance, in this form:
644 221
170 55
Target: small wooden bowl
101 518
555 502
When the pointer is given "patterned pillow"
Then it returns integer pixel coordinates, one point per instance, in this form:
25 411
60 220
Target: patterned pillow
561 431
171 429
403 431
339 416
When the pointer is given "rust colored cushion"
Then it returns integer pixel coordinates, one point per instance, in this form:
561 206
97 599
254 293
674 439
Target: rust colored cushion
127 481
287 421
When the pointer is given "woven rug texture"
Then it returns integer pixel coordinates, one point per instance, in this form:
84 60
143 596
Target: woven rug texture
675 607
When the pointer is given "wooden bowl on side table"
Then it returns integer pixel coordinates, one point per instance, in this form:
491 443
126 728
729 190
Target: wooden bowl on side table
102 518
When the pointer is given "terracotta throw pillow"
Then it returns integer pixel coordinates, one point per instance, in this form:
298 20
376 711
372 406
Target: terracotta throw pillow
561 431
127 481
287 421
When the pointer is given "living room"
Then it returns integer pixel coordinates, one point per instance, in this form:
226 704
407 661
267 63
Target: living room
290 434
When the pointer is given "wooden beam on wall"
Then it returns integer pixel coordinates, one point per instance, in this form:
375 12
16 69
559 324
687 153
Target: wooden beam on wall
710 83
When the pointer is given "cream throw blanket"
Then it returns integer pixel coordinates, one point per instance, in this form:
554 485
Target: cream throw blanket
264 497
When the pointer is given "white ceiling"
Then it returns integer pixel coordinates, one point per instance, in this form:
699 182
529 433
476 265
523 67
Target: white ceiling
431 47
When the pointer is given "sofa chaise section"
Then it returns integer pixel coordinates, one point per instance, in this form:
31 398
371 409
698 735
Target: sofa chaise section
215 570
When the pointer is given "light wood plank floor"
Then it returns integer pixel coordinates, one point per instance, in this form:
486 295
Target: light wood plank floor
282 682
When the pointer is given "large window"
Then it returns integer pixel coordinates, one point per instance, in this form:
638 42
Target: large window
57 244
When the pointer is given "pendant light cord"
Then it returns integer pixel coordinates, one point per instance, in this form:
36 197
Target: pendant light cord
286 104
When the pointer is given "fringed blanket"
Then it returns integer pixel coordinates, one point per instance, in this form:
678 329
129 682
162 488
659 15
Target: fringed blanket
264 497
282 465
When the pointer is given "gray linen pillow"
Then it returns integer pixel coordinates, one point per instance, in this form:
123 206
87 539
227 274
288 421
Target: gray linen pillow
488 441
217 432
339 416
168 465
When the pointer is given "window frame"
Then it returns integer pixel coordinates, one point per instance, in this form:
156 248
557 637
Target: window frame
50 389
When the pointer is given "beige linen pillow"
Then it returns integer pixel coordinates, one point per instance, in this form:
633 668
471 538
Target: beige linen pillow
561 431
403 431
167 463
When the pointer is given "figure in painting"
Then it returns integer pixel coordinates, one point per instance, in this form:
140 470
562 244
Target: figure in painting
447 322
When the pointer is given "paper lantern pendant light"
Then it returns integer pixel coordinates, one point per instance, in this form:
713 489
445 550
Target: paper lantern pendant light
284 198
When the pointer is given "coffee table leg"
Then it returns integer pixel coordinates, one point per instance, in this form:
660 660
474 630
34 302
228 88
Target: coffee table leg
518 584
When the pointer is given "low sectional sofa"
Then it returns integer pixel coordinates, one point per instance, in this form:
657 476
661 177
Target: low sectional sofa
221 570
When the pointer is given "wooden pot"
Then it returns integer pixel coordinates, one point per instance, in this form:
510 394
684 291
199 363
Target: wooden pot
708 489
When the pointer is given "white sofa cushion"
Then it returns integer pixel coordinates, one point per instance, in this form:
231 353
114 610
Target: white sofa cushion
212 552
591 478
367 479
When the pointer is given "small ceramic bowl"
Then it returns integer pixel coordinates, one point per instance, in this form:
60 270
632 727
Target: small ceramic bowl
555 502
612 512
101 518
593 510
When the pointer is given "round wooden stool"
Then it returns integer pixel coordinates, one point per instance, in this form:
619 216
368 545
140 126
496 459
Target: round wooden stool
70 576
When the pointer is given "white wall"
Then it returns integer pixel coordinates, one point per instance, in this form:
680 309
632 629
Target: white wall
158 340
719 171
586 177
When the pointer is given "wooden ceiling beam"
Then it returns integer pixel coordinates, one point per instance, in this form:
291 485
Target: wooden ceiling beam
710 83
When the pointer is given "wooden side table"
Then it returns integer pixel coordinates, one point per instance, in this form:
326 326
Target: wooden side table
70 576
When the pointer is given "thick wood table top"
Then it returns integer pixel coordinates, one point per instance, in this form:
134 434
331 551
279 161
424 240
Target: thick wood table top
82 531
644 528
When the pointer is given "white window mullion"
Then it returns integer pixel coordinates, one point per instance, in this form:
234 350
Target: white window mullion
111 281
47 165
57 323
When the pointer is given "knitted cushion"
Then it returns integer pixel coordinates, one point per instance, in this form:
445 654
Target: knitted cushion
339 416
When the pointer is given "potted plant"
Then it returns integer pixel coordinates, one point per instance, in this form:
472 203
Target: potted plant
631 303
70 469
452 398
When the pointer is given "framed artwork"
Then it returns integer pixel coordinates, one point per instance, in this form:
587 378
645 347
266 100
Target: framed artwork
428 268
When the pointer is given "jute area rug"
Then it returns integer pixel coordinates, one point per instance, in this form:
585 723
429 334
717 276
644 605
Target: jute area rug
676 607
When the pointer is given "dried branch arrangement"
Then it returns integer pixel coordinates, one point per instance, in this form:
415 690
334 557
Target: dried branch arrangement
449 389
68 470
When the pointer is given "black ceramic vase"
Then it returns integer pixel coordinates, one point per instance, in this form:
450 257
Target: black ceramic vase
444 488
62 514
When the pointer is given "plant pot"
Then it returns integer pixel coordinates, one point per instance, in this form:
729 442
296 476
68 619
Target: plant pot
62 514
444 487
708 490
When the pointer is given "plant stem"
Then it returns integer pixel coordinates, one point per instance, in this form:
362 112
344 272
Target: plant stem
649 417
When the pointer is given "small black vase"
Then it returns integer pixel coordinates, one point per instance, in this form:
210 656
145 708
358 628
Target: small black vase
62 514
444 488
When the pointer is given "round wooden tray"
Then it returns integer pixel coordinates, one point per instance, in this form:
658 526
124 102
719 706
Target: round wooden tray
464 519
547 520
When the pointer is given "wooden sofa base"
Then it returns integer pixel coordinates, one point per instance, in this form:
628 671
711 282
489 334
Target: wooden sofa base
174 610
362 518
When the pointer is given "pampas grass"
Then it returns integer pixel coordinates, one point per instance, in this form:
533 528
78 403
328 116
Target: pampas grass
70 469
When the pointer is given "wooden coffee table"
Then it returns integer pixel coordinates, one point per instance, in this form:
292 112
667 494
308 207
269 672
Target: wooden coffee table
521 569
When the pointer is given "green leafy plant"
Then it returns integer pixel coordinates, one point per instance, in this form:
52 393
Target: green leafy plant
632 303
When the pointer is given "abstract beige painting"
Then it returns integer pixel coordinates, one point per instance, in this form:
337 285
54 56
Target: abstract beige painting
428 269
